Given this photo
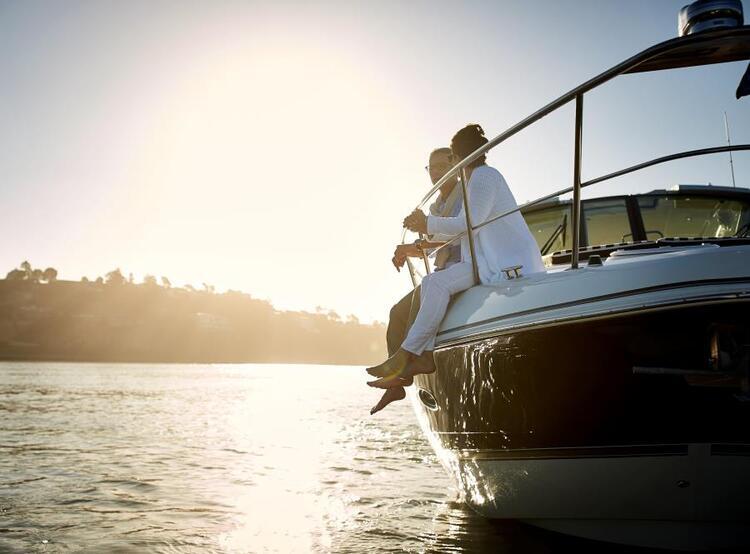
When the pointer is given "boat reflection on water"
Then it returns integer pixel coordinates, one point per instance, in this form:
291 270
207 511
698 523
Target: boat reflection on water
609 397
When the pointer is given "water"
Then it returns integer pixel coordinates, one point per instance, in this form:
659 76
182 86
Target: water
224 458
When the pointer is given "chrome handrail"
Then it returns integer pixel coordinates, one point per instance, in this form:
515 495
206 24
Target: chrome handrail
619 69
597 180
576 94
469 226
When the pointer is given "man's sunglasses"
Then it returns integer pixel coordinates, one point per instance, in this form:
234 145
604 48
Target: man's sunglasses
438 166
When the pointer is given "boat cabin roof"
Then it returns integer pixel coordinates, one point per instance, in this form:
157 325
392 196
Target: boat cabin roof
708 47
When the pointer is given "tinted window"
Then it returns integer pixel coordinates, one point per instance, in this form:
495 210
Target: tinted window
696 216
606 221
550 227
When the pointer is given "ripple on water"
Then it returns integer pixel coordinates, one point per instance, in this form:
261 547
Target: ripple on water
225 458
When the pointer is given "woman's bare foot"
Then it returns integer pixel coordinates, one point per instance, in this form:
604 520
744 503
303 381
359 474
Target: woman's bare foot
390 395
420 364
391 382
393 366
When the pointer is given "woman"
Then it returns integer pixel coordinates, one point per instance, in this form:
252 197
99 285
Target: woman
502 243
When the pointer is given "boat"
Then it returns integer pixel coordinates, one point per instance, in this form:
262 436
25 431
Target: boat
609 397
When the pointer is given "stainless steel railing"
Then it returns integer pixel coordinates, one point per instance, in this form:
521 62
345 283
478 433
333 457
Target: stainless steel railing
628 66
590 182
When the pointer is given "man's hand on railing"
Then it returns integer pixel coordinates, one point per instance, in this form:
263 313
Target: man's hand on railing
402 252
416 222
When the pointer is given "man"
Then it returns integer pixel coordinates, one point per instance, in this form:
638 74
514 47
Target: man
447 204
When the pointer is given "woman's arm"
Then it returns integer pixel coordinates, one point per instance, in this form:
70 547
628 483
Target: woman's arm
482 190
429 244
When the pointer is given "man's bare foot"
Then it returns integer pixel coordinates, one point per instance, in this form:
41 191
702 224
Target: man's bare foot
393 366
424 363
420 364
390 395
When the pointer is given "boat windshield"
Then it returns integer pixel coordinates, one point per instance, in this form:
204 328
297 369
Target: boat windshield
550 228
693 216
608 221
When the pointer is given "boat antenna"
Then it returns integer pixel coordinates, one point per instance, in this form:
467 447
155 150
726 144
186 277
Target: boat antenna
729 143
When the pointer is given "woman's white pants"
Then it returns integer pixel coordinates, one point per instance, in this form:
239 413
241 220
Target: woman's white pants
437 289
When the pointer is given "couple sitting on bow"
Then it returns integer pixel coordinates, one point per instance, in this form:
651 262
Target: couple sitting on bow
505 242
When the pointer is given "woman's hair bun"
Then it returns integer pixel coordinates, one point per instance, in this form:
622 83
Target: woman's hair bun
467 140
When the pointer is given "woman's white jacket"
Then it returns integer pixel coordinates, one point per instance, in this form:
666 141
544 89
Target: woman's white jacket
500 244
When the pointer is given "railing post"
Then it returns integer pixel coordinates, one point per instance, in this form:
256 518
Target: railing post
576 216
425 259
469 226
411 272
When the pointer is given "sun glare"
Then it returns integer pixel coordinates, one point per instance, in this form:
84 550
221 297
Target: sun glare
249 144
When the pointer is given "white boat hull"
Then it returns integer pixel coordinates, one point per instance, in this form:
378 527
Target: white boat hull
688 497
642 281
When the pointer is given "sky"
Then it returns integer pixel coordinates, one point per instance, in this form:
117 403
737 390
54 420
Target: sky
274 147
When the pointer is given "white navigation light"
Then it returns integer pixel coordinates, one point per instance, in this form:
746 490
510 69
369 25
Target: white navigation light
708 15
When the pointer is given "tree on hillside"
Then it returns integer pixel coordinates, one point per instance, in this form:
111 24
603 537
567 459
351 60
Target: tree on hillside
25 272
36 275
115 277
102 322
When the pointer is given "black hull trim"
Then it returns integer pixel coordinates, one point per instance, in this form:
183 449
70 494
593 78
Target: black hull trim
626 451
571 386
578 452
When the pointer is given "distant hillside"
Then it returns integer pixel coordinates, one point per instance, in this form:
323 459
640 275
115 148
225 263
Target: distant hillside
119 321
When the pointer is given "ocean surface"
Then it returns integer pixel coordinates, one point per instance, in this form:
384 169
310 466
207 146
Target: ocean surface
226 458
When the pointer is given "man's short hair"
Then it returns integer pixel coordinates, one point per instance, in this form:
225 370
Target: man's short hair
443 150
